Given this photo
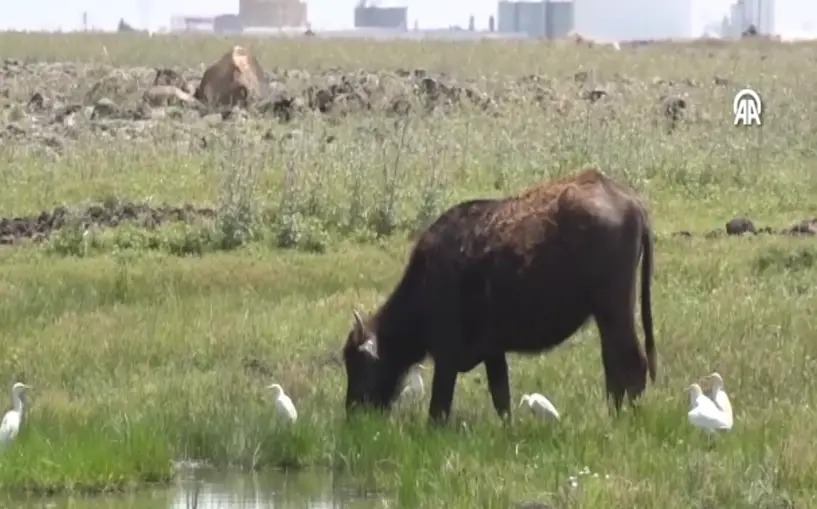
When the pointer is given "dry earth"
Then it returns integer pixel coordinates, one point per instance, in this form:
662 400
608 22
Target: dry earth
49 105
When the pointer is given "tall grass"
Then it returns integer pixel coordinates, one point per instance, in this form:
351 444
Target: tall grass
139 355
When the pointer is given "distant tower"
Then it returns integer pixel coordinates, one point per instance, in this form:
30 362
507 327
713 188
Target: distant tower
85 21
491 24
471 24
416 25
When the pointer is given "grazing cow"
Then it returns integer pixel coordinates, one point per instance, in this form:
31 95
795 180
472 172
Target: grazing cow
519 274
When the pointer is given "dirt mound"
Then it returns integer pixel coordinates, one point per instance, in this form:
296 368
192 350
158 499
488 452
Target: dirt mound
112 213
745 227
56 104
106 215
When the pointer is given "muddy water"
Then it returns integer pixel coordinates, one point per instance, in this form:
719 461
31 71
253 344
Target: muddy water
219 490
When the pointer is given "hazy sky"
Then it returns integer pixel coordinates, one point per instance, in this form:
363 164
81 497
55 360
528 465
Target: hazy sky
792 16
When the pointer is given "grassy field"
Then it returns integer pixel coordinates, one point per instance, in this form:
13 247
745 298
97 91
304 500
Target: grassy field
139 356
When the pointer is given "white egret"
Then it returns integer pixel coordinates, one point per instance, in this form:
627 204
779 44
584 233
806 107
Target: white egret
415 382
720 397
11 421
705 414
540 405
283 404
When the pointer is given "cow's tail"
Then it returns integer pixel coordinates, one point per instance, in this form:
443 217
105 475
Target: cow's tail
646 297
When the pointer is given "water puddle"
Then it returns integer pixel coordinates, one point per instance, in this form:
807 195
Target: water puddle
207 489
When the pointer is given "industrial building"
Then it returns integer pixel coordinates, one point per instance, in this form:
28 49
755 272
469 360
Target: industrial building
548 18
627 20
272 13
373 16
633 19
746 13
203 24
252 14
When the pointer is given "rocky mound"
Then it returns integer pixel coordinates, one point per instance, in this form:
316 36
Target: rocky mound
56 102
744 227
112 214
106 215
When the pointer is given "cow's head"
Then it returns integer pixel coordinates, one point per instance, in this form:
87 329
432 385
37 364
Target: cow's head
360 357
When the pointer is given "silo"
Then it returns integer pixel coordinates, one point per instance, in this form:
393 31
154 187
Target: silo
381 17
628 20
559 18
766 21
738 23
272 13
507 22
531 18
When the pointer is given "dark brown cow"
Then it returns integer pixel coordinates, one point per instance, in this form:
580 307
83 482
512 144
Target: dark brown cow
520 274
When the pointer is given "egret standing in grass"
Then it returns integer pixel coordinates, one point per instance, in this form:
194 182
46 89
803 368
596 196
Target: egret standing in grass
540 405
705 414
283 404
720 397
415 384
11 421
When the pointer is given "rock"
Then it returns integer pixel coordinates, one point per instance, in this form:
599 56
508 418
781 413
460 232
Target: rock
171 78
806 227
54 142
37 101
66 114
168 95
105 108
740 226
14 130
594 95
674 108
213 119
282 107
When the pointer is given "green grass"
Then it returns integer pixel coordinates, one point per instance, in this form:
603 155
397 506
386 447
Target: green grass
137 354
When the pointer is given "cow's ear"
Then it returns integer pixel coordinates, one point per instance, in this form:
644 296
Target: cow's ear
368 344
369 347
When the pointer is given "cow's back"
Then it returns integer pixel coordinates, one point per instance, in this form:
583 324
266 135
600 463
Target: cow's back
521 273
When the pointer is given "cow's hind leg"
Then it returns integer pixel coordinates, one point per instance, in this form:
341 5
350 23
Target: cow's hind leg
496 369
442 392
625 367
